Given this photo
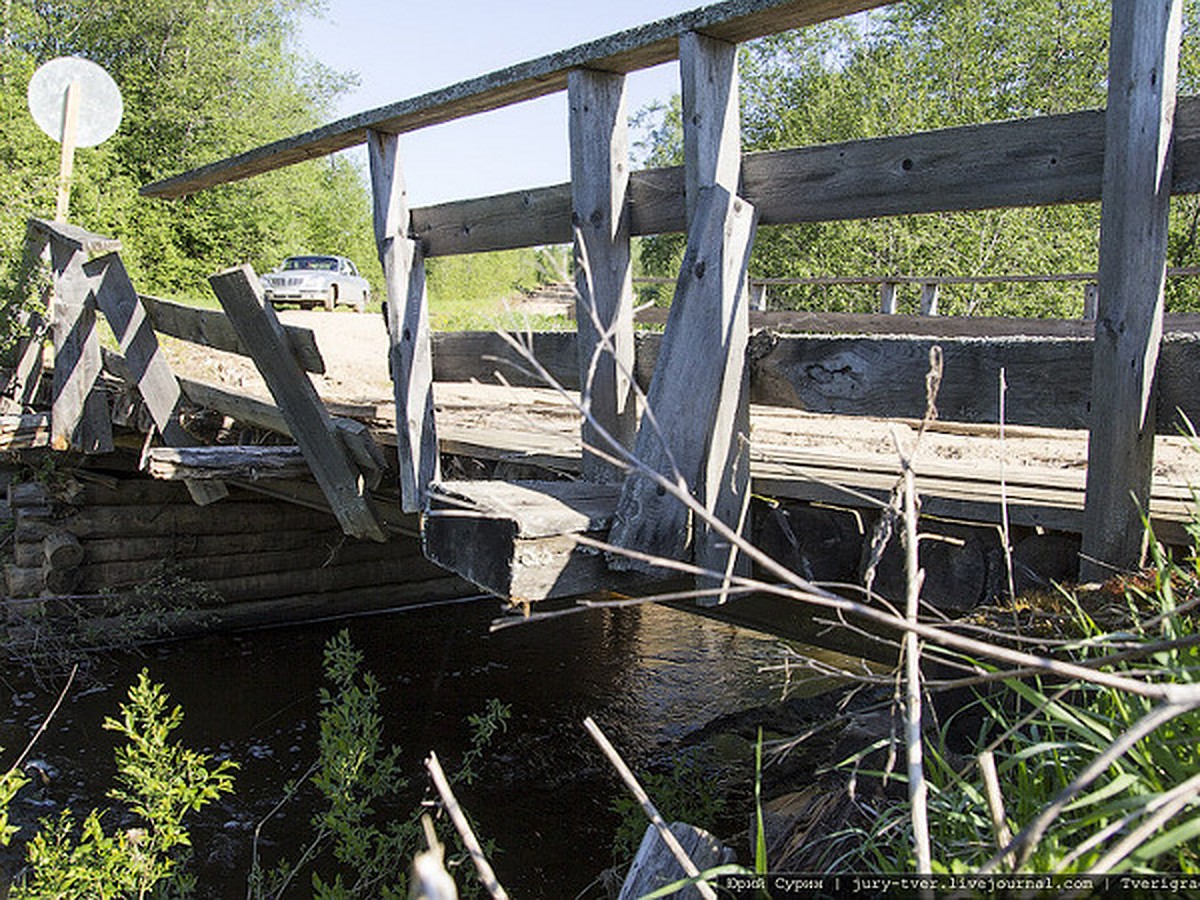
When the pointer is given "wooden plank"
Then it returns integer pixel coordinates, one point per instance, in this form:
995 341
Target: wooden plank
686 389
1143 69
599 139
212 329
73 237
340 480
518 540
1039 161
79 417
249 462
24 432
1049 380
408 324
20 388
637 48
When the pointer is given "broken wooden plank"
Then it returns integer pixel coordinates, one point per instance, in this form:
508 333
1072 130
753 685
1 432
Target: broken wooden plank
24 432
599 139
410 350
637 48
1040 161
519 539
311 426
212 329
1134 209
79 417
687 387
20 388
252 463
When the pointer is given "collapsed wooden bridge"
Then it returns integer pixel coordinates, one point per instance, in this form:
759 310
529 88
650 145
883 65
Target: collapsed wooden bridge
712 383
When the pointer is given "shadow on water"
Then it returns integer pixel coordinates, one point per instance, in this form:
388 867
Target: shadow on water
648 675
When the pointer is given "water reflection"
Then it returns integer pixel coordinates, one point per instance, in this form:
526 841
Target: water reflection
649 676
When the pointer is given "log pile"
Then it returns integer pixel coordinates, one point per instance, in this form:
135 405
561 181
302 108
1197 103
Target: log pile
115 534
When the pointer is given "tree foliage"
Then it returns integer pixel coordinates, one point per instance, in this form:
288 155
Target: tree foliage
200 81
916 66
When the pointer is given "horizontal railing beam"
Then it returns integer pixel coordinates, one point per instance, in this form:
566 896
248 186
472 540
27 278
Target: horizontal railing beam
628 51
1028 162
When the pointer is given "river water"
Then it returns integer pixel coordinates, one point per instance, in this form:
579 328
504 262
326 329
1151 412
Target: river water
650 676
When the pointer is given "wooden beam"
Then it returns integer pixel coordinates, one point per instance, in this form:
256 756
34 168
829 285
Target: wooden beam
1040 161
73 237
1143 68
340 480
24 432
410 353
689 381
638 48
211 328
599 138
519 540
79 417
251 463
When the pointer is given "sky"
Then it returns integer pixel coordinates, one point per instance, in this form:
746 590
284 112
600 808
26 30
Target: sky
400 49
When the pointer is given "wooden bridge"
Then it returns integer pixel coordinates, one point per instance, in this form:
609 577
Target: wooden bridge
708 400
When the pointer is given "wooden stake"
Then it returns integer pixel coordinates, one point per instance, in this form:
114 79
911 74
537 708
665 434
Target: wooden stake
66 165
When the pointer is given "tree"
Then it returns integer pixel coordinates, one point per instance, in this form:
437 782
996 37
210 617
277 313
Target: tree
201 80
917 66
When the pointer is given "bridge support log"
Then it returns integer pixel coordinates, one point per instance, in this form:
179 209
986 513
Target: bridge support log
1143 68
410 351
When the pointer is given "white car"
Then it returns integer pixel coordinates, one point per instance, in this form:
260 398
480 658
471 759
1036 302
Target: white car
312 280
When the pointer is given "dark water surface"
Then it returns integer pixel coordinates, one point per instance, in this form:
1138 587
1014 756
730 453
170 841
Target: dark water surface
649 676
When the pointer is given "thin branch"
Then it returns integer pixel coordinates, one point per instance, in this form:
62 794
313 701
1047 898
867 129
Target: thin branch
46 721
486 876
648 807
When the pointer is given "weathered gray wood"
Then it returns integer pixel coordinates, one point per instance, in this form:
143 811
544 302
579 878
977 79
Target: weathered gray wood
24 432
61 550
1143 68
689 380
21 385
599 139
638 48
73 237
212 329
23 582
79 417
712 136
1029 162
408 324
655 866
712 159
929 299
249 462
518 539
887 297
340 480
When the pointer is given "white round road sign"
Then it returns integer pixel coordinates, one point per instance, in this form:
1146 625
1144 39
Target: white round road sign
100 105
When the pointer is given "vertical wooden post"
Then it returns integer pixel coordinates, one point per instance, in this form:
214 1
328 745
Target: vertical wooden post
929 298
410 350
66 165
79 415
603 267
1143 66
1091 301
887 297
699 392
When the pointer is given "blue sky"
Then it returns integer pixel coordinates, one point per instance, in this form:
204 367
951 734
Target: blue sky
401 49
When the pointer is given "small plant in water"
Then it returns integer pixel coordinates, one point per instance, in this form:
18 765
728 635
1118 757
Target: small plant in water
158 780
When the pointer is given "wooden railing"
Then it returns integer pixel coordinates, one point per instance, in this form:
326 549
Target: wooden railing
699 388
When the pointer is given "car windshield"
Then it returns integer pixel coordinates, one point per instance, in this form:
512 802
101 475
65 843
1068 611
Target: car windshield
323 263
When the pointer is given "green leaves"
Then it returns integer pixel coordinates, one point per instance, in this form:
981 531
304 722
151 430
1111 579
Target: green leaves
159 780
